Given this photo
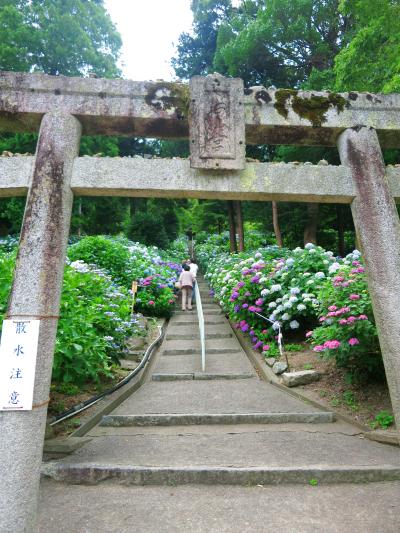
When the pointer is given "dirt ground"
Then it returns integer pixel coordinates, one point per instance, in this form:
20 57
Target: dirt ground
361 402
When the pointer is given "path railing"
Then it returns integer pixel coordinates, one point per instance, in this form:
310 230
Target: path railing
200 316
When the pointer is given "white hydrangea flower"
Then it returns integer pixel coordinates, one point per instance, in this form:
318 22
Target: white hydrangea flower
329 321
264 292
279 300
293 299
286 316
309 246
326 262
272 305
294 290
276 326
307 300
334 268
301 307
263 279
306 274
257 255
311 251
272 317
320 275
297 250
279 309
276 288
289 261
294 324
310 282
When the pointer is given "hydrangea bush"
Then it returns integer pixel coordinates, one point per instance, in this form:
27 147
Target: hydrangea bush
96 302
347 328
127 261
303 290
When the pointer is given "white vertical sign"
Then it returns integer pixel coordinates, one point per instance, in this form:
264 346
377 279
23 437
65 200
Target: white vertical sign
18 351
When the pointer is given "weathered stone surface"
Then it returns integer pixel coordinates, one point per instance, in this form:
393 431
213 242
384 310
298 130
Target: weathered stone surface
279 367
378 229
36 293
387 436
270 361
302 377
160 109
114 176
217 136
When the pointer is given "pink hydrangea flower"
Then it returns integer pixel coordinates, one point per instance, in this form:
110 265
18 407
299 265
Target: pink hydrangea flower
151 302
353 341
265 348
342 321
309 333
351 319
338 279
332 345
319 348
354 297
332 308
363 317
322 318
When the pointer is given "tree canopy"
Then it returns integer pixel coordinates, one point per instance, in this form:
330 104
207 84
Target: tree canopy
69 37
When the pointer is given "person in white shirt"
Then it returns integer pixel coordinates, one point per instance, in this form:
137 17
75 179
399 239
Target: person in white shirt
193 269
186 280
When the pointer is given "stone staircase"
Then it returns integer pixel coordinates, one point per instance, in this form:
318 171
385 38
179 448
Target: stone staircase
222 426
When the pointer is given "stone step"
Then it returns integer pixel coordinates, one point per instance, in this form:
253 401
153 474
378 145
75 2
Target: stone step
196 350
237 456
220 363
200 375
189 419
190 346
206 312
222 396
188 328
93 473
195 336
184 320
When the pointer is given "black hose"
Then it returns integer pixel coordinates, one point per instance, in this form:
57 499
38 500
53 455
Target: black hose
94 399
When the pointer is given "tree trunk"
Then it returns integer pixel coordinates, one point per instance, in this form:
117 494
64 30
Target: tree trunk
275 222
340 230
232 228
239 224
310 231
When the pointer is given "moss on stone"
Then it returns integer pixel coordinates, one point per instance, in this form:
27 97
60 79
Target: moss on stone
313 108
177 99
281 97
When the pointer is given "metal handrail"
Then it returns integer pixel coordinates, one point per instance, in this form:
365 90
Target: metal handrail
200 317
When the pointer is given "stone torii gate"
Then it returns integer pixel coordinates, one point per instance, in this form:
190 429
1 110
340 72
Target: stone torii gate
224 117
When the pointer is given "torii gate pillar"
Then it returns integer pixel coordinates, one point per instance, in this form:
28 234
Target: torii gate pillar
35 294
378 229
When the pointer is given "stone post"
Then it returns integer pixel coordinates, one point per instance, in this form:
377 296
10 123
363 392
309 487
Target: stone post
378 229
36 294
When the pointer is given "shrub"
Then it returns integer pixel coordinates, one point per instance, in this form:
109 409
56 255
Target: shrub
126 261
347 328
